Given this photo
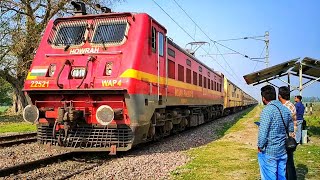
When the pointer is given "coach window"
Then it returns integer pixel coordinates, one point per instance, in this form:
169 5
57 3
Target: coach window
204 82
200 80
211 85
215 86
180 73
188 76
171 69
195 78
153 39
161 44
208 83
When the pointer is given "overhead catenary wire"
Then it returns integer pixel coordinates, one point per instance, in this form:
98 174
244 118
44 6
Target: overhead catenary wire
260 57
214 42
189 35
241 38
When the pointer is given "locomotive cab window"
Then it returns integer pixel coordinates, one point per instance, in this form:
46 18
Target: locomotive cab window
109 32
71 33
161 44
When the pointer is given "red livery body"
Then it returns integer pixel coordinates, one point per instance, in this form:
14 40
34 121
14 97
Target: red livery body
113 80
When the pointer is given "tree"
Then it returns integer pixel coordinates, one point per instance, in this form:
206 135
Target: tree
22 22
5 93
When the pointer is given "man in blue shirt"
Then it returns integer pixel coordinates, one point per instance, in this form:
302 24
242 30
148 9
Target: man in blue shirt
300 112
272 154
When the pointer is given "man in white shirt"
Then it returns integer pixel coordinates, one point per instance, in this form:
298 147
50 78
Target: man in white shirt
284 98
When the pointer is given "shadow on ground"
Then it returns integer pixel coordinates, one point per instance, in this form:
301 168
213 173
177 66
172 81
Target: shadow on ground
313 130
302 171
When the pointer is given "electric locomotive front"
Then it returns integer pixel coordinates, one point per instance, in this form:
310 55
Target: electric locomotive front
77 96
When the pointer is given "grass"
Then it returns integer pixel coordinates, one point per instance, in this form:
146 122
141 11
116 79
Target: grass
17 127
231 158
10 123
220 159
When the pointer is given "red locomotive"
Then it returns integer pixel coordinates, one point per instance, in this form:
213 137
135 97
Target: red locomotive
114 80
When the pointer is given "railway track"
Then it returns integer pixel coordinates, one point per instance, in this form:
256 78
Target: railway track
6 141
31 169
29 166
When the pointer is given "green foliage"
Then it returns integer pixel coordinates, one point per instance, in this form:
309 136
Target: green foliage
307 99
5 93
313 121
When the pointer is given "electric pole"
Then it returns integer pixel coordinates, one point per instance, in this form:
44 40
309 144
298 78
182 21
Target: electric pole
267 47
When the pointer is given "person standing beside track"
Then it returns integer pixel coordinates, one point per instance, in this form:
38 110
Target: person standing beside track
284 98
300 112
272 155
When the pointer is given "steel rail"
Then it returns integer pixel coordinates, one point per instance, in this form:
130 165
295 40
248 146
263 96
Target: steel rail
17 136
6 141
29 166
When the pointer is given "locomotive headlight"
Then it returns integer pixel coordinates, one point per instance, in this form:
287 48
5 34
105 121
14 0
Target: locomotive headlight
31 113
109 68
78 72
52 69
104 115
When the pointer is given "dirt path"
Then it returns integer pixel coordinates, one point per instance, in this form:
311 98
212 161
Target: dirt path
249 134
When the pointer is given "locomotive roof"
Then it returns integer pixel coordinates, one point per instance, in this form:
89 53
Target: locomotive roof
192 57
126 14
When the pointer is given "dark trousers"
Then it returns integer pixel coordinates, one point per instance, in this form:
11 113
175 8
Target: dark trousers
290 170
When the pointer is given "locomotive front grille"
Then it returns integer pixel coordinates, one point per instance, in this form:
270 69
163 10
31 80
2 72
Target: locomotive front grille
89 137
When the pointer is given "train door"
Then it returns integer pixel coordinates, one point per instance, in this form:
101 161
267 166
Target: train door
162 64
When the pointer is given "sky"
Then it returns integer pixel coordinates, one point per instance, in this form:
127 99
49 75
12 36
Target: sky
293 27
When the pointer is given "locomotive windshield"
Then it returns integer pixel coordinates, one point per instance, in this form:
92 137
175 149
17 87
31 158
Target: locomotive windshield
71 33
109 32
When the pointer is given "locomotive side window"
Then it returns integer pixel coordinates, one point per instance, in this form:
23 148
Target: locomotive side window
171 52
188 62
195 78
180 73
211 85
200 80
71 33
171 69
109 32
204 82
153 39
188 76
161 44
208 83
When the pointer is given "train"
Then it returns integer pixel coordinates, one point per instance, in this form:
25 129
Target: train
111 81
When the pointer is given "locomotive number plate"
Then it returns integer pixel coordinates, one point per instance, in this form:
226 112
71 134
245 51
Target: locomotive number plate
39 84
111 83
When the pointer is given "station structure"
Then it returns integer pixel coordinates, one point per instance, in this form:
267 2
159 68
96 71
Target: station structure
306 68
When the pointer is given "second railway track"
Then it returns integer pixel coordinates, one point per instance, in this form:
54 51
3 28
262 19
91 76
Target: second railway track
10 140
